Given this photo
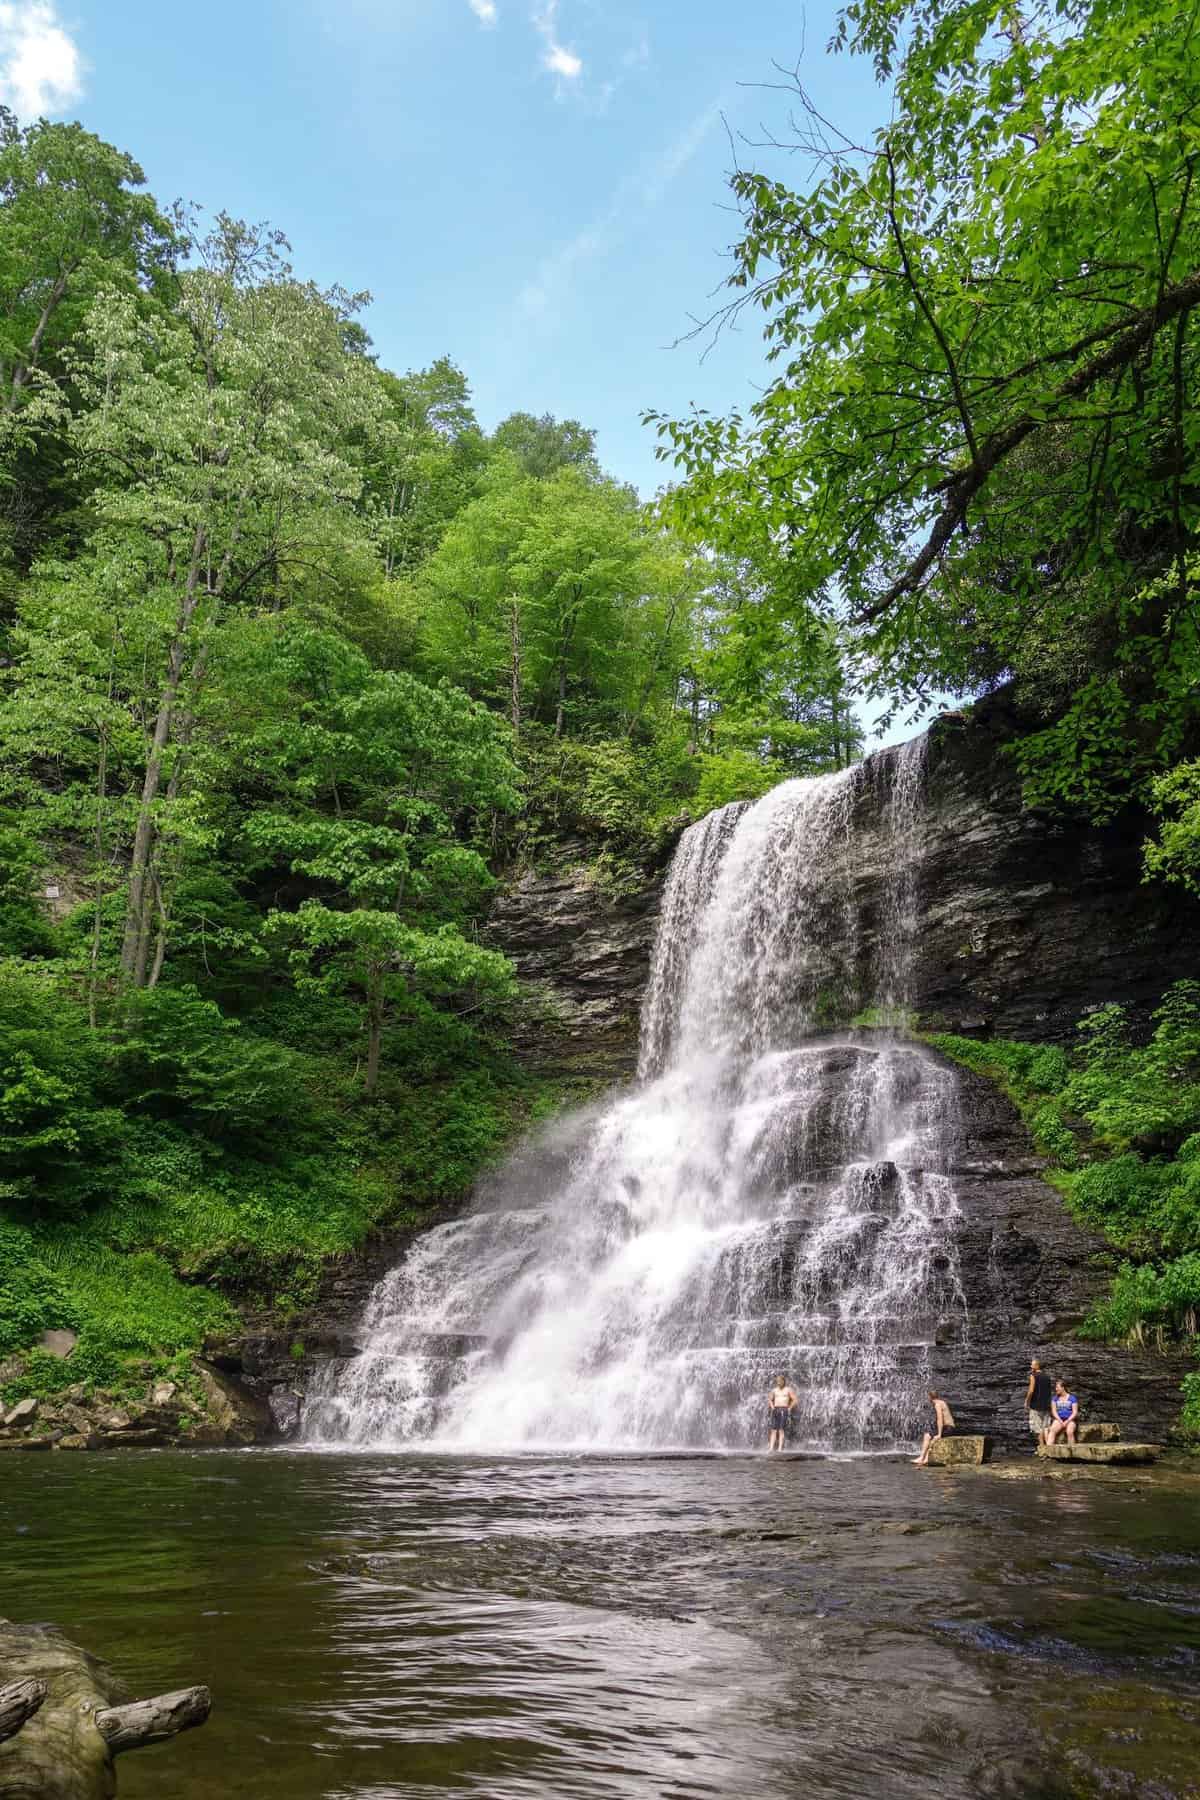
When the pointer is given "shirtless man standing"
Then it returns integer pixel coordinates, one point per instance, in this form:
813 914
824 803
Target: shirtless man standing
781 1400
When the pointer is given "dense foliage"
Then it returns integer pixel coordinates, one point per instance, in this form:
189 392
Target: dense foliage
1121 1124
295 659
979 445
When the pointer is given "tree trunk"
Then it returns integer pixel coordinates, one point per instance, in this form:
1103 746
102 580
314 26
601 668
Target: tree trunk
374 1028
514 632
137 912
75 1718
562 696
19 1700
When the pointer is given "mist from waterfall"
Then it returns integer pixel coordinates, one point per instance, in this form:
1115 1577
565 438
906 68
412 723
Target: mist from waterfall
771 1198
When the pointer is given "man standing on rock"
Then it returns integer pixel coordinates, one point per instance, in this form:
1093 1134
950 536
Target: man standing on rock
1038 1399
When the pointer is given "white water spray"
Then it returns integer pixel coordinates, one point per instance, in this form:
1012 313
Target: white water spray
772 1197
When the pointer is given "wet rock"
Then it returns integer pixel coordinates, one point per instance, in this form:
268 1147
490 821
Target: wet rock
583 956
285 1404
79 1440
1045 1326
224 1353
238 1415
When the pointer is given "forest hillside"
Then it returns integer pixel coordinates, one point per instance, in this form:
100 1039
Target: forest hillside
298 661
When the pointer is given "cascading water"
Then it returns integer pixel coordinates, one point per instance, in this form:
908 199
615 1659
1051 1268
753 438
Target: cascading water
772 1197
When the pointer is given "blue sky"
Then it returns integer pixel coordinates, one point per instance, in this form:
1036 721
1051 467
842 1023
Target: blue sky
536 189
533 187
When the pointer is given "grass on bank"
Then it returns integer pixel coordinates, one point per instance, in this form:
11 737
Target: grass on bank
1120 1125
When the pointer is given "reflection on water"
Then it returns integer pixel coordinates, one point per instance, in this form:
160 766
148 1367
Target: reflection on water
381 1628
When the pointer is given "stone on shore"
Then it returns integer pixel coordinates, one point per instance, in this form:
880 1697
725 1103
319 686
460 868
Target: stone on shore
1101 1453
960 1451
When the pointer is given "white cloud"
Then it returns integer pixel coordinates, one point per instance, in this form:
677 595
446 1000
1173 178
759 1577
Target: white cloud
557 59
486 11
561 61
41 71
634 198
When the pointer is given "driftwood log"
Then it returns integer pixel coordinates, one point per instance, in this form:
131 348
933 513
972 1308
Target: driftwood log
64 1717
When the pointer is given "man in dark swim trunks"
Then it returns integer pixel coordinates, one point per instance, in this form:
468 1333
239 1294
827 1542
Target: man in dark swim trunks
780 1400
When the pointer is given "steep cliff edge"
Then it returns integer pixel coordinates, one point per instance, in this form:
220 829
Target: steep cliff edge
1025 921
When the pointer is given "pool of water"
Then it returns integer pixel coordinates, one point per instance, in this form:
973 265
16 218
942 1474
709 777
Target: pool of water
384 1627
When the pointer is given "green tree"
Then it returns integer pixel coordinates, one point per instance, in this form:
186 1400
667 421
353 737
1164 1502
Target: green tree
373 779
71 220
980 436
546 445
217 436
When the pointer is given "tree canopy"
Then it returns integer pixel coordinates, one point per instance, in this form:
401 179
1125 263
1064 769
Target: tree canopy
979 441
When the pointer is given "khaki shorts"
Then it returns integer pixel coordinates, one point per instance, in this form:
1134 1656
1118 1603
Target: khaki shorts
1039 1422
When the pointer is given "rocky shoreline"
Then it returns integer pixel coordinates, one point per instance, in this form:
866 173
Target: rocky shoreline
205 1408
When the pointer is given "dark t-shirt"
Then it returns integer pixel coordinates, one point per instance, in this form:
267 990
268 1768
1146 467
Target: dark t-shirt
1039 1400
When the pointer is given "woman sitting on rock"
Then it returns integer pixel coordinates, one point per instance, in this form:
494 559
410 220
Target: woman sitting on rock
943 1419
1066 1415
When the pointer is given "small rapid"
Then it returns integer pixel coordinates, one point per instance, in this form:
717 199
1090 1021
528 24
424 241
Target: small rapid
772 1197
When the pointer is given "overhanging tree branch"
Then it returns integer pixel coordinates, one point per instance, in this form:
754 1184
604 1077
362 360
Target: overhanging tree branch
961 488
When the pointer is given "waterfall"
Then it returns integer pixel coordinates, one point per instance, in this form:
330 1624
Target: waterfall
772 1197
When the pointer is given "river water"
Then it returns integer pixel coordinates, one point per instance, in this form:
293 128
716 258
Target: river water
386 1627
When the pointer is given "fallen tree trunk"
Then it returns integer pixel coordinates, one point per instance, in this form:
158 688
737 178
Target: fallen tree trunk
18 1703
64 1717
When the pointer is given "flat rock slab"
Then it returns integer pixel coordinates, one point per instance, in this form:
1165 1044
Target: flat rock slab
1098 1434
1101 1453
962 1449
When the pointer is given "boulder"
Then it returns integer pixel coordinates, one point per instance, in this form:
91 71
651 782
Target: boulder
23 1413
1101 1453
58 1343
1098 1433
240 1417
961 1450
79 1440
163 1393
285 1404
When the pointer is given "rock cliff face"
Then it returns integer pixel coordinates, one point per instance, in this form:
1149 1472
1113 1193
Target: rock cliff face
1029 1275
1025 921
584 957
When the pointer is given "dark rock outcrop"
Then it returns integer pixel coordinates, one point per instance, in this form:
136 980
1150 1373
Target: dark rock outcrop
1026 920
1029 1274
583 955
